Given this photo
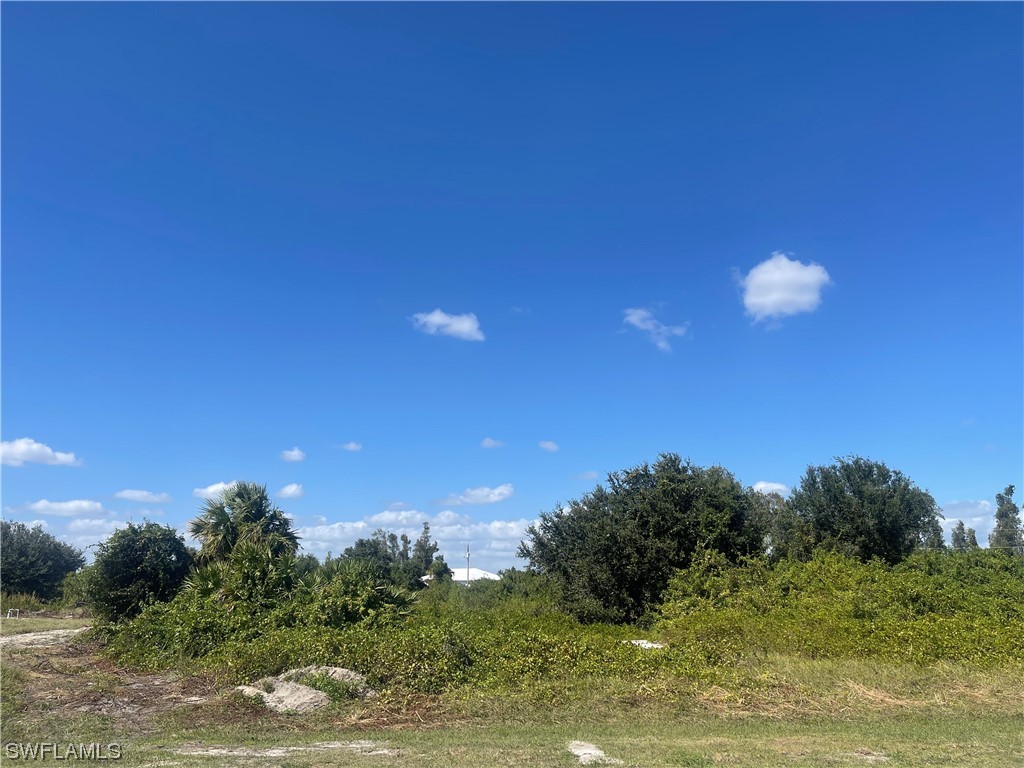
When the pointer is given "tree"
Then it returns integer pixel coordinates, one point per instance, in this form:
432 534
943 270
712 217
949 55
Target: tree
612 553
33 561
398 559
243 512
963 538
136 566
1008 533
864 509
784 534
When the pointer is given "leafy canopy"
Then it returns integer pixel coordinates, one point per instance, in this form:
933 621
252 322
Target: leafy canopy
1008 532
402 561
864 509
242 513
612 553
34 562
136 566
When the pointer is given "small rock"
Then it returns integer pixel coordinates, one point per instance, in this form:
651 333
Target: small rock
342 675
644 643
284 696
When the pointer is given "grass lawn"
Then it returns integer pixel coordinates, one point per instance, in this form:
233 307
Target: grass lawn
757 742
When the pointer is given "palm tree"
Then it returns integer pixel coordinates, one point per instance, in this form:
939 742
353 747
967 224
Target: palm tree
242 513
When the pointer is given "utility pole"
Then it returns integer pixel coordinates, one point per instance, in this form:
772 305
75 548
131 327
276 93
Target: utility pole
467 565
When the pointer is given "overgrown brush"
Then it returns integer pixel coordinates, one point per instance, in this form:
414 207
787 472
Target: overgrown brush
509 639
955 606
20 602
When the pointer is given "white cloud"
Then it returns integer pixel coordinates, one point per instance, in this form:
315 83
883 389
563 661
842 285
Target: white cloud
481 495
146 497
399 517
65 508
548 445
353 446
40 523
15 453
658 332
88 532
492 544
291 491
489 442
94 526
763 486
295 454
780 286
588 475
465 327
212 491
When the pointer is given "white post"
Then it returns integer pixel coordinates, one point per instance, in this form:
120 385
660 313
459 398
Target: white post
467 565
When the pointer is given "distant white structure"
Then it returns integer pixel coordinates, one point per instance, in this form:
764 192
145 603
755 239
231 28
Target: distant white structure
466 575
472 574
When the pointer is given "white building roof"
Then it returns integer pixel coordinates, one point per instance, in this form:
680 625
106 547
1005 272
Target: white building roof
475 574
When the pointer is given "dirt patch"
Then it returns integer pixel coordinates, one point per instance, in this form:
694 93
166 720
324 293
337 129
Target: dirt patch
590 754
868 756
356 747
72 678
40 639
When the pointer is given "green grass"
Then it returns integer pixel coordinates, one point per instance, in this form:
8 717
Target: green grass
22 626
698 741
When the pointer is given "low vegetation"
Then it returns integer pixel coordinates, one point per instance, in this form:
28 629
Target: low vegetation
838 603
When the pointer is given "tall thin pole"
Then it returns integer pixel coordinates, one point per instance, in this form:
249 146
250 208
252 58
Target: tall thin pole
467 565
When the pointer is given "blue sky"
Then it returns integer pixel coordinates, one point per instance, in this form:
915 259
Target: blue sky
756 235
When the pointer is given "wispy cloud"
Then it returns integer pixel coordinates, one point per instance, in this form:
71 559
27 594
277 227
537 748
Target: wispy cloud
25 450
779 286
763 486
548 445
489 442
294 454
212 491
465 327
588 475
658 332
353 446
94 526
291 491
481 495
144 497
71 508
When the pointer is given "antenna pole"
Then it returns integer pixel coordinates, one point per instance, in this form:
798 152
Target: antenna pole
467 565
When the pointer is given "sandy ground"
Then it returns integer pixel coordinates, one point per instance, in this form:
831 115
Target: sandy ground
39 639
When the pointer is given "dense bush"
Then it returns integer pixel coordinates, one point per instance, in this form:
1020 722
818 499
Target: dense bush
136 566
210 614
963 606
863 509
34 562
611 553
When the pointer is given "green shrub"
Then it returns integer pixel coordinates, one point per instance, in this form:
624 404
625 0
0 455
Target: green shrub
957 606
21 602
34 561
136 566
337 690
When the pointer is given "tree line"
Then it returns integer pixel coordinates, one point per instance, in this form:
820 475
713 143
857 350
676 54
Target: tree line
612 552
609 555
